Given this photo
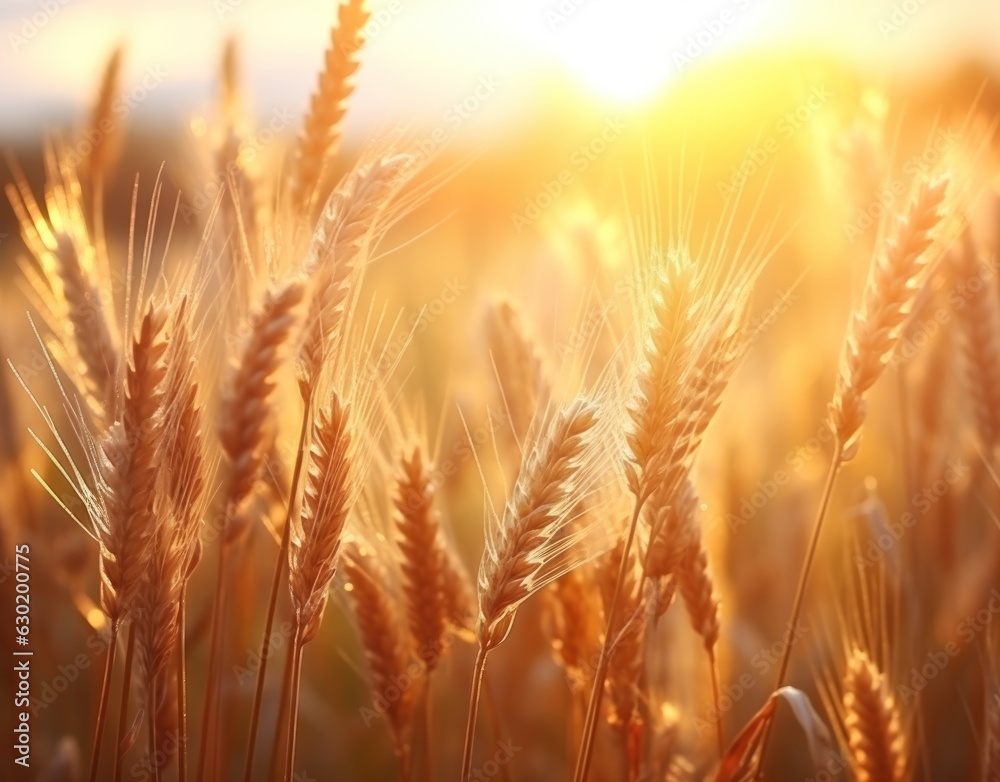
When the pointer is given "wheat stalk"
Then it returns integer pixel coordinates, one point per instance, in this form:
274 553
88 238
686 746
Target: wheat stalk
128 476
525 551
690 347
674 519
335 257
321 132
874 735
890 293
247 390
314 541
424 557
129 452
104 135
70 290
315 536
239 206
514 564
626 653
574 629
335 264
386 648
980 327
242 429
519 364
184 486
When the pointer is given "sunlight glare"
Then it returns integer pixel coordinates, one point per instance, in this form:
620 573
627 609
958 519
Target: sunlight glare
614 55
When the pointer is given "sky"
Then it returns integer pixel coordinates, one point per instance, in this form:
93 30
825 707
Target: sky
423 56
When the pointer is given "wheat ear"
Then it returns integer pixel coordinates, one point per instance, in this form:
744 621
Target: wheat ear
127 472
247 390
239 205
527 541
889 296
674 517
510 569
386 647
335 257
459 597
574 629
872 722
519 364
103 134
314 542
692 344
69 288
129 452
322 129
667 352
316 535
424 557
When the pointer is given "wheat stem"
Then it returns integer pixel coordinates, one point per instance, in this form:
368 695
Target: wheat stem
793 624
102 712
478 672
123 708
594 706
182 744
720 740
279 569
293 703
276 749
154 760
210 707
428 731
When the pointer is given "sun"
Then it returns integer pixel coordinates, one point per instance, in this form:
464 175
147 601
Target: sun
626 51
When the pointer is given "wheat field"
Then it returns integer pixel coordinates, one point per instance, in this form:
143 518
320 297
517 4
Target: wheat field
626 444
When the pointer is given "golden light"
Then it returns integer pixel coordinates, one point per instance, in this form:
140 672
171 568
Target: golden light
618 50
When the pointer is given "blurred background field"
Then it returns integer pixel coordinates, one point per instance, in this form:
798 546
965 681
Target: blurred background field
545 124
